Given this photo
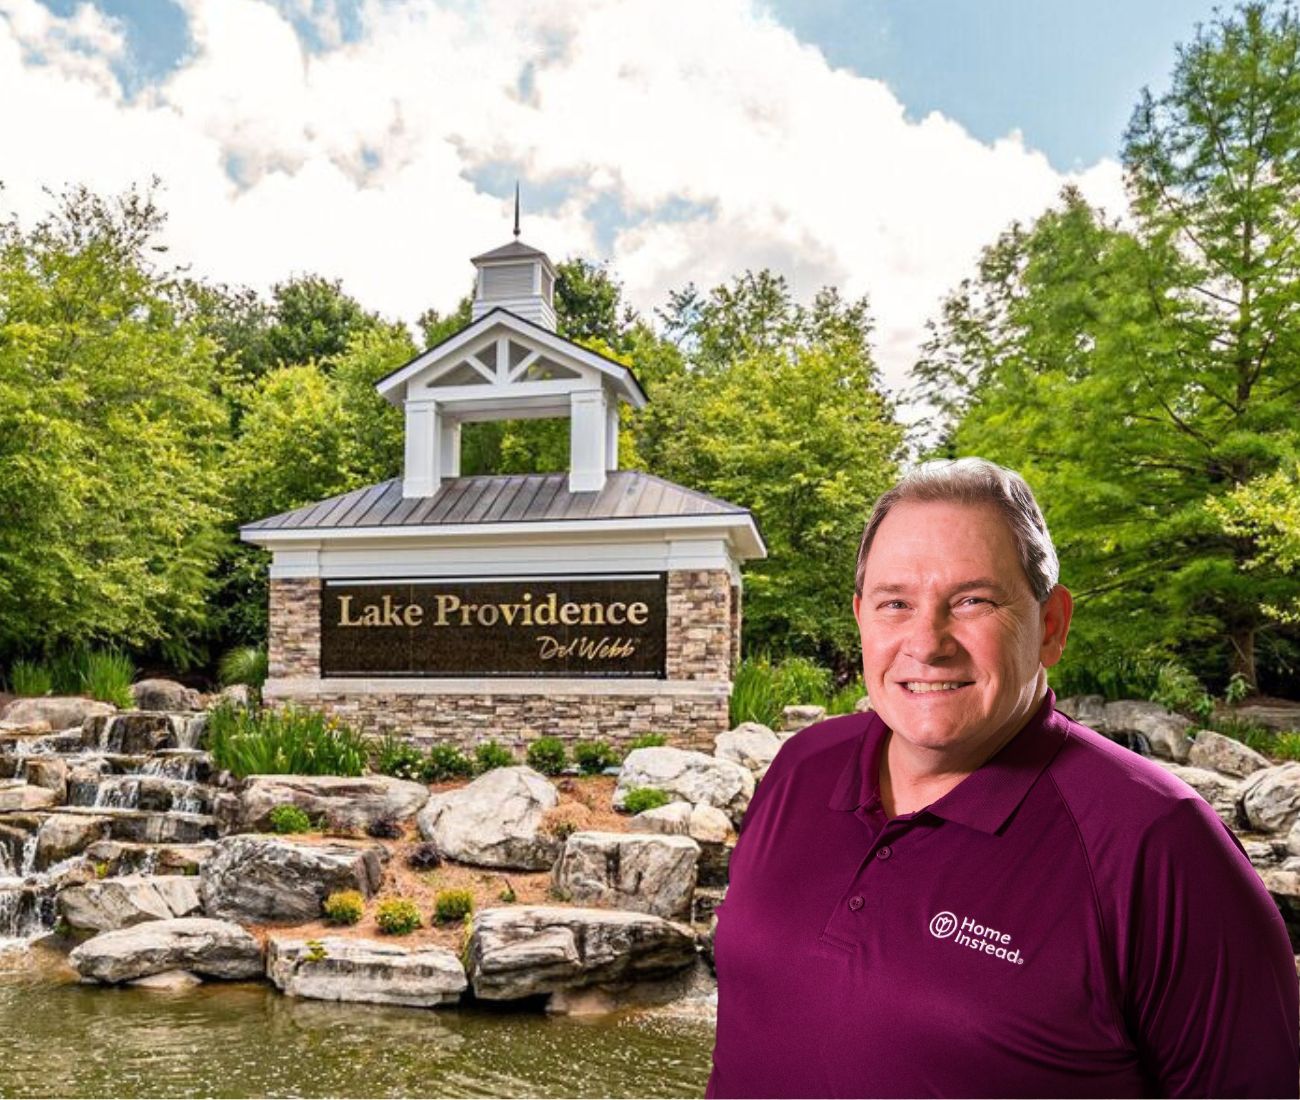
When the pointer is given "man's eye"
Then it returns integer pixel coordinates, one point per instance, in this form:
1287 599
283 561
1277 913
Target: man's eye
893 605
974 600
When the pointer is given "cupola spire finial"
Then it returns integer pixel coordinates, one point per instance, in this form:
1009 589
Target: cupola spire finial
516 209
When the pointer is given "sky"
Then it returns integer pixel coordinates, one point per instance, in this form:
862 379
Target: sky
873 145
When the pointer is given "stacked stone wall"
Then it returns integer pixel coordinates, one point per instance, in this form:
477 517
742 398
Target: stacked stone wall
293 637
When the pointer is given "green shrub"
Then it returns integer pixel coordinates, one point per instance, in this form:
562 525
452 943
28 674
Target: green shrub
1177 689
397 916
802 682
345 907
30 678
593 757
754 696
491 755
1286 745
547 755
846 698
446 762
289 819
1237 690
66 672
397 757
453 905
283 741
647 741
245 664
640 799
107 675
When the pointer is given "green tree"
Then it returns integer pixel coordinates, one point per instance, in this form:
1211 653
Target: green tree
313 320
110 435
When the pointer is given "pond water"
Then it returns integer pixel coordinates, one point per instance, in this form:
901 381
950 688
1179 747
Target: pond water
61 1038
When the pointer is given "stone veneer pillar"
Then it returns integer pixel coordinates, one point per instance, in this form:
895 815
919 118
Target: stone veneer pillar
699 625
293 635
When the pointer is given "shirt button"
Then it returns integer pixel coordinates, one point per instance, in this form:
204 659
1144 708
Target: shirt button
884 852
855 902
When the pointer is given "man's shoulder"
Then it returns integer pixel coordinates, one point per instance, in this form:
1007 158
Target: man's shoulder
830 736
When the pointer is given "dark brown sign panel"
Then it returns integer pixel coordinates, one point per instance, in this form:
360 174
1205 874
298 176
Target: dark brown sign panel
609 626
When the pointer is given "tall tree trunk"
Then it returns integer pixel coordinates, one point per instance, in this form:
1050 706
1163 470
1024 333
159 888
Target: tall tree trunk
1242 639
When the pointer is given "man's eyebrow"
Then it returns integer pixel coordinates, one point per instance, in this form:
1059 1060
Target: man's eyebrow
965 586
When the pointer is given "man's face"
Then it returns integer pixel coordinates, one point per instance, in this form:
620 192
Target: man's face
953 640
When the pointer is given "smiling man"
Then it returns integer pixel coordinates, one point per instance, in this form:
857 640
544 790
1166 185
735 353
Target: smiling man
966 893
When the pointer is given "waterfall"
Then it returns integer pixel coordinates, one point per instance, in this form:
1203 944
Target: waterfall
25 913
117 792
28 864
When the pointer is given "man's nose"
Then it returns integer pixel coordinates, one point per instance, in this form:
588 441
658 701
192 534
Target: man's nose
929 636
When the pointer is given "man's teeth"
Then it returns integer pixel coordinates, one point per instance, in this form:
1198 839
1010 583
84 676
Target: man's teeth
916 685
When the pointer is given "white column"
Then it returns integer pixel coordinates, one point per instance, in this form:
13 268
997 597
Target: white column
588 423
421 476
611 435
449 454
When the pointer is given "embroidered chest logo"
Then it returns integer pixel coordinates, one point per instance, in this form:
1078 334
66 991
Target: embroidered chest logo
967 932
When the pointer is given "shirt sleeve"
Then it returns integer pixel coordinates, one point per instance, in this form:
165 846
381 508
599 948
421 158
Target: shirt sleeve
1212 996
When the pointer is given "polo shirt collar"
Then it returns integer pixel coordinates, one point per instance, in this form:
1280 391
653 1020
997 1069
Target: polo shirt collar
986 798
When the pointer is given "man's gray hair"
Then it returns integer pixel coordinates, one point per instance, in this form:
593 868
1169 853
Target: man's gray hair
975 481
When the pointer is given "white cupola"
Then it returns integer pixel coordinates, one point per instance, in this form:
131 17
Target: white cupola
519 278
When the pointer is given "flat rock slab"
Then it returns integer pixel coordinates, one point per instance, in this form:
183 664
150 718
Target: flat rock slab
64 835
254 879
693 777
341 802
1215 752
521 951
60 712
23 797
148 826
640 871
112 903
123 857
338 969
209 948
494 821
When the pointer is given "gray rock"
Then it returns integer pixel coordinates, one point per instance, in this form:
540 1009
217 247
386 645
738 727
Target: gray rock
1220 791
254 879
211 948
693 777
1282 882
63 835
796 718
133 899
1166 731
638 871
342 803
751 745
171 981
708 825
147 826
1270 798
134 732
493 821
60 712
1087 710
165 695
122 857
671 820
50 772
337 969
236 695
525 950
1225 754
863 705
18 797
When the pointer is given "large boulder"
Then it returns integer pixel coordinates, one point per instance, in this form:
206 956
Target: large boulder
1270 798
751 745
797 717
59 712
1220 791
165 695
211 948
254 879
639 871
337 969
692 777
342 803
1166 732
1225 754
63 835
19 797
494 821
133 899
525 950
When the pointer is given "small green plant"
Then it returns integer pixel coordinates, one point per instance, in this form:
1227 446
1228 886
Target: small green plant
640 799
452 905
845 699
1286 745
1177 689
800 681
446 762
593 757
547 755
286 740
559 893
245 664
754 696
107 676
647 741
344 907
101 869
507 896
397 757
30 678
489 755
289 819
397 916
1237 690
316 951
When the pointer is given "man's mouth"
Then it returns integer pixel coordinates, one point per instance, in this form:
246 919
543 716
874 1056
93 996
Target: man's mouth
922 687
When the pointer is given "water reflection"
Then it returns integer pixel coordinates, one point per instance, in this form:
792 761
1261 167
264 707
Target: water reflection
234 1040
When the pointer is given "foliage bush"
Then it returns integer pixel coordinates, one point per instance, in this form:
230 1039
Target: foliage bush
452 905
289 819
491 755
845 699
640 799
283 741
547 756
593 757
397 916
106 675
396 756
245 664
647 741
800 681
761 690
345 907
30 678
446 762
1104 671
1177 689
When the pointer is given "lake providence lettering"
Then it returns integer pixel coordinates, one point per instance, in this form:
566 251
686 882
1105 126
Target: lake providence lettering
525 613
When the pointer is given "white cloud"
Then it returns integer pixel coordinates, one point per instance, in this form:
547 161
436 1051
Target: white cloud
357 160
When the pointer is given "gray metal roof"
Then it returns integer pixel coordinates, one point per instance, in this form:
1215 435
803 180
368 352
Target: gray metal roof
515 250
500 498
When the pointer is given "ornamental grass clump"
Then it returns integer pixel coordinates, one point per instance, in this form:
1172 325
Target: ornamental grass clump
286 740
397 916
344 907
640 799
753 694
106 675
245 664
289 819
547 755
593 757
30 678
451 905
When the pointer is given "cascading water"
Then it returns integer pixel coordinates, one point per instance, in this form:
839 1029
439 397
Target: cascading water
117 792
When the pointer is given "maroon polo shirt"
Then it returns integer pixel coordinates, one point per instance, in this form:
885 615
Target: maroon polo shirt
1069 920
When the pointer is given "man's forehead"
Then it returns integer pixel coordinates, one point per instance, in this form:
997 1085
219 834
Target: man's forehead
966 543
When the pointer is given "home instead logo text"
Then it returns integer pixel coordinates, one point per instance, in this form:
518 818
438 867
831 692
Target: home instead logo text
966 932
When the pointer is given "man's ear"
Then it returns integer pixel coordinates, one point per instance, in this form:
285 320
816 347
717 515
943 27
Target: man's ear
857 609
1056 612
